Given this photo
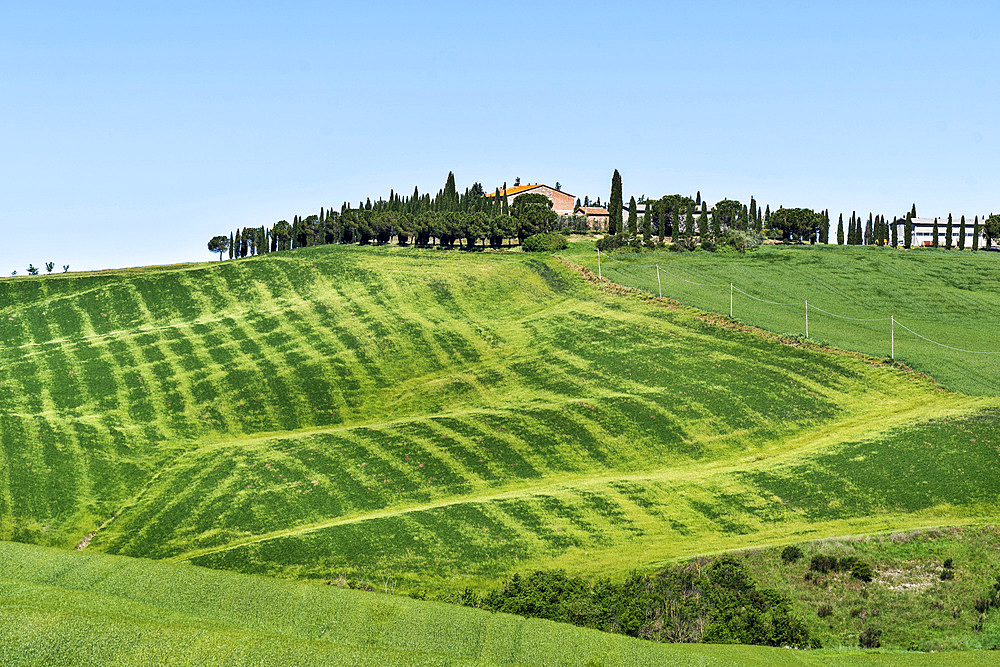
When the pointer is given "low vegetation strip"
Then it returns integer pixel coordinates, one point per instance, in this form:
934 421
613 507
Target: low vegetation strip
60 607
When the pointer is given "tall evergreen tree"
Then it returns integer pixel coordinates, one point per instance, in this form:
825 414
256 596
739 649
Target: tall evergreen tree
913 211
703 231
895 232
633 218
647 224
232 245
961 234
697 198
935 243
716 222
948 233
868 231
840 230
975 235
615 205
661 220
908 231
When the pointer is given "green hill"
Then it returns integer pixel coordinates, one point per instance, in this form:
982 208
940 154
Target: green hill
59 607
432 420
949 297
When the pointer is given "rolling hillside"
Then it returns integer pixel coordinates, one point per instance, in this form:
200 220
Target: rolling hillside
58 607
431 420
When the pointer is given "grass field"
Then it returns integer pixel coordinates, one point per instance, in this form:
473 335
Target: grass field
950 297
426 421
59 607
434 420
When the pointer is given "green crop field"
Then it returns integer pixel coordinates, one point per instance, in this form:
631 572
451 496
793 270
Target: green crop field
427 421
950 297
59 607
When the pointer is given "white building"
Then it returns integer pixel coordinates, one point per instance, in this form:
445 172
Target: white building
923 231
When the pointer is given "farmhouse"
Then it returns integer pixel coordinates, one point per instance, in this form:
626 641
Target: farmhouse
597 216
562 202
923 231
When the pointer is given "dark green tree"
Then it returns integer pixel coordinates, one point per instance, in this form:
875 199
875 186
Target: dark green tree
840 230
615 205
935 242
727 213
975 235
908 232
991 229
895 232
647 224
633 217
961 234
948 233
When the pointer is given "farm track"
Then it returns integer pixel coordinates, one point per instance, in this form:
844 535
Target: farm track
857 427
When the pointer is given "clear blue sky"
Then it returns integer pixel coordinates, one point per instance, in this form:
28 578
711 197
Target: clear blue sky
130 133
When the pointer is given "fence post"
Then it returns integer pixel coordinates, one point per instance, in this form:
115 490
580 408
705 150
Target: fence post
658 288
599 264
892 337
730 301
807 318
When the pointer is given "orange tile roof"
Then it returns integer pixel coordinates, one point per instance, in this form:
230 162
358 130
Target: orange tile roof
516 190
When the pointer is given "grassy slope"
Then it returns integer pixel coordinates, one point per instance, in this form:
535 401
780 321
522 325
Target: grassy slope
58 607
907 600
435 419
950 297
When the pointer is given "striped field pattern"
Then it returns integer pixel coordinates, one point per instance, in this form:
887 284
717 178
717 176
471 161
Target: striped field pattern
438 418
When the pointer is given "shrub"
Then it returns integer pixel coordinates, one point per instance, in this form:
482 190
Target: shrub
948 563
862 571
822 563
611 242
708 245
870 638
824 610
791 553
947 575
550 242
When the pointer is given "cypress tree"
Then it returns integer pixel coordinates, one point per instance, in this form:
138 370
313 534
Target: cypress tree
868 231
961 234
936 233
975 235
716 223
948 233
647 225
697 198
633 218
826 226
753 209
703 223
615 205
661 221
231 245
840 230
913 211
908 232
895 233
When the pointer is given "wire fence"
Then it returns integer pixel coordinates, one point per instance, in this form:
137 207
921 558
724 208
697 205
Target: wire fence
891 320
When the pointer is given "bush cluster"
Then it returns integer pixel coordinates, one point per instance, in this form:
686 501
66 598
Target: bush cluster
720 603
548 242
858 568
791 553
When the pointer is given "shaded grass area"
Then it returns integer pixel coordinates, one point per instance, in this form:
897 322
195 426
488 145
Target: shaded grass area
69 608
948 296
